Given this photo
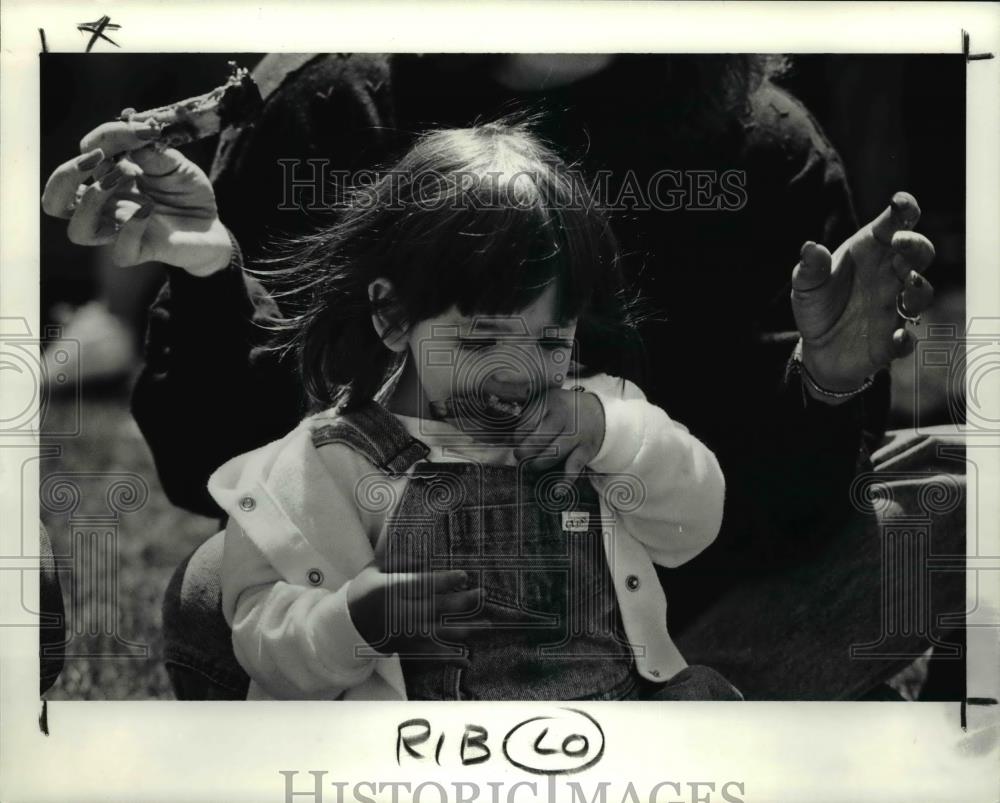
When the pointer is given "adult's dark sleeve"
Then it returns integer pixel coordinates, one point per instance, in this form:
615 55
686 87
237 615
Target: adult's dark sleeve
792 484
789 460
207 391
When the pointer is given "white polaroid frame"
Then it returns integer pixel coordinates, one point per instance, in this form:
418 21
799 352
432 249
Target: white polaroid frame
757 752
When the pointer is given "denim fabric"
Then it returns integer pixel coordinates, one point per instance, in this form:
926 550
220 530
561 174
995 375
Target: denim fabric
198 647
784 636
869 601
691 683
554 630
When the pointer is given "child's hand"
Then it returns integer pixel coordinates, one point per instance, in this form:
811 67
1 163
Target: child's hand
571 430
148 204
400 612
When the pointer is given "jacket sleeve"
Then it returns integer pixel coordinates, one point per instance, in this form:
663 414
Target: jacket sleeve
664 485
295 642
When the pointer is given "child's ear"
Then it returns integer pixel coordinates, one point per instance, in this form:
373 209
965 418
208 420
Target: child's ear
390 332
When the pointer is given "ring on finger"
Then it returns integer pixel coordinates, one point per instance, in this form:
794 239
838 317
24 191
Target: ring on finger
903 313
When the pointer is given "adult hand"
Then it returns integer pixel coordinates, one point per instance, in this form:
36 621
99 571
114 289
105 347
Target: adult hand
147 203
845 304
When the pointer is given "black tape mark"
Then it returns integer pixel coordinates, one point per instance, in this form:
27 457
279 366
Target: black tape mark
972 56
43 719
973 701
97 28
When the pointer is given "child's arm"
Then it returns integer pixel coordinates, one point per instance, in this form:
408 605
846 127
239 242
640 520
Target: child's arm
294 641
678 478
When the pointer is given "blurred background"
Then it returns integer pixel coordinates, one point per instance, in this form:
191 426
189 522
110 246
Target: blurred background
897 121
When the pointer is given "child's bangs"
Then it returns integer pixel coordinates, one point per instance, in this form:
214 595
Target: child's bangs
498 261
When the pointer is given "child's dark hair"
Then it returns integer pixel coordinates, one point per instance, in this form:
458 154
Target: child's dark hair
483 218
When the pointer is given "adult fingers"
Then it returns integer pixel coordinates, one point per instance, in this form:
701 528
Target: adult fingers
903 343
59 197
158 162
813 268
901 214
914 252
918 294
119 137
86 225
127 249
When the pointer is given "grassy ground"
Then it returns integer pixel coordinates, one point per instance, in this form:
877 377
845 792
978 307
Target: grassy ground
115 652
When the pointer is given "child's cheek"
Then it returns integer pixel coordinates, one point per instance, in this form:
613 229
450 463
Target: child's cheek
438 382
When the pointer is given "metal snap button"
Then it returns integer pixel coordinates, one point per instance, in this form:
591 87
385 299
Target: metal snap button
631 582
315 576
248 503
654 672
578 388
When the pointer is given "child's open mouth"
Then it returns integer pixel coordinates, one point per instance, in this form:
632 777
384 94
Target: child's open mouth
486 411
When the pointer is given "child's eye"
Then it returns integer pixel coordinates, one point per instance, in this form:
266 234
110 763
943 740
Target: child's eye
476 343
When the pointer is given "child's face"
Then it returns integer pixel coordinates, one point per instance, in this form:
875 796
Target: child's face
500 367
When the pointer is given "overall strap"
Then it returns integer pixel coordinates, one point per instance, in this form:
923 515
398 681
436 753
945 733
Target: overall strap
377 434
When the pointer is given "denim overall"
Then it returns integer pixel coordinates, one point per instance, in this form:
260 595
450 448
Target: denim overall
535 547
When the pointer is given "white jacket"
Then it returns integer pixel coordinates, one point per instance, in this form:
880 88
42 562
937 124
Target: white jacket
297 536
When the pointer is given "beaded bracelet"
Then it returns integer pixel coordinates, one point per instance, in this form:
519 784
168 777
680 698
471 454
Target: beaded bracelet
796 366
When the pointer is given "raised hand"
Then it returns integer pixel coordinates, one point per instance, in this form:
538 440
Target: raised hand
148 203
845 305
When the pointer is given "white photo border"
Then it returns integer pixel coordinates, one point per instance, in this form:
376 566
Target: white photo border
793 752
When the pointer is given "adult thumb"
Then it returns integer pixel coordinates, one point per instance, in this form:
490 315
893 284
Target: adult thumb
813 268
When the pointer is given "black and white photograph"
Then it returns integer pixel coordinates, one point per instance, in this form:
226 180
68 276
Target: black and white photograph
370 380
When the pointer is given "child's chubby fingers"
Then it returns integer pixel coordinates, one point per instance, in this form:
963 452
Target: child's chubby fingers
63 188
577 462
540 442
457 601
423 585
